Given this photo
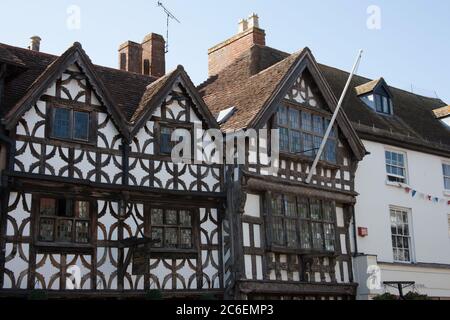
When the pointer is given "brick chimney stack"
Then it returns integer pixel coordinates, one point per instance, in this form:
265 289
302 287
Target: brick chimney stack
35 43
148 57
223 54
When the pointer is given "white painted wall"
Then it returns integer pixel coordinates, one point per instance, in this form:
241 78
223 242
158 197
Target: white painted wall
428 221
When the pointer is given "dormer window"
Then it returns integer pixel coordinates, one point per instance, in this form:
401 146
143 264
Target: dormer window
383 104
376 95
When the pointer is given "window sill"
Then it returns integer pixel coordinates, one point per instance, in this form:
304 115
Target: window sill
397 184
42 247
173 253
309 252
303 158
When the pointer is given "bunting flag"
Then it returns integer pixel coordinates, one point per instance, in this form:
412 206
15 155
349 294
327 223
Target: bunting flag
415 193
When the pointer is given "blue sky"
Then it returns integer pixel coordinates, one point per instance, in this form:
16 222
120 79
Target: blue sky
411 48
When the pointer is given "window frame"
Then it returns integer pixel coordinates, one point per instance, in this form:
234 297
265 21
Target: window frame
61 246
405 166
92 125
310 131
299 220
163 252
173 125
445 163
410 236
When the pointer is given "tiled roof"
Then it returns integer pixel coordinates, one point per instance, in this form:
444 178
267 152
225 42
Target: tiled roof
125 88
250 80
242 85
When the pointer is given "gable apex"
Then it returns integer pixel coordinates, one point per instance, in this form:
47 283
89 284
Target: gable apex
74 55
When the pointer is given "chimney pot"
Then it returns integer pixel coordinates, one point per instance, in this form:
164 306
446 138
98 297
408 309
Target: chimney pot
35 44
253 21
243 25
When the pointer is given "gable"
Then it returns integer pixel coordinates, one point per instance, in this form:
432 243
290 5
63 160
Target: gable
70 77
304 82
305 92
71 90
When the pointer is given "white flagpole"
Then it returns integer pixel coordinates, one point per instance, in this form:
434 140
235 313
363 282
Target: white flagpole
333 119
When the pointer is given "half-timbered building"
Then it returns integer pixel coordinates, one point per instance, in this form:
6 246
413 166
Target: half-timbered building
290 239
90 198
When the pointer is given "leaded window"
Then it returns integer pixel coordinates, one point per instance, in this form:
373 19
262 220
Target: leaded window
69 124
301 132
171 228
64 221
302 223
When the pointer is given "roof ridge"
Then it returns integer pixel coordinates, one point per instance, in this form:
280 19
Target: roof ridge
390 86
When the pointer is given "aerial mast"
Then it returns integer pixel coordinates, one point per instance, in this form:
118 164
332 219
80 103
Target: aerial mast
169 17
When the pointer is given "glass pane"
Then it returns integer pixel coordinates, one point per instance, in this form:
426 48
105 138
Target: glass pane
81 125
447 183
295 141
328 211
82 232
171 238
186 239
278 232
303 208
329 237
290 206
333 130
171 217
446 170
61 123
282 116
317 236
330 153
315 210
82 209
65 208
291 233
305 234
284 139
277 205
308 144
306 121
316 145
185 218
166 140
156 217
47 207
294 119
46 229
385 105
157 235
318 125
64 231
378 103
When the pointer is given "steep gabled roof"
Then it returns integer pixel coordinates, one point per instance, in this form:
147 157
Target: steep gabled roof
74 54
255 94
127 95
412 125
156 92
